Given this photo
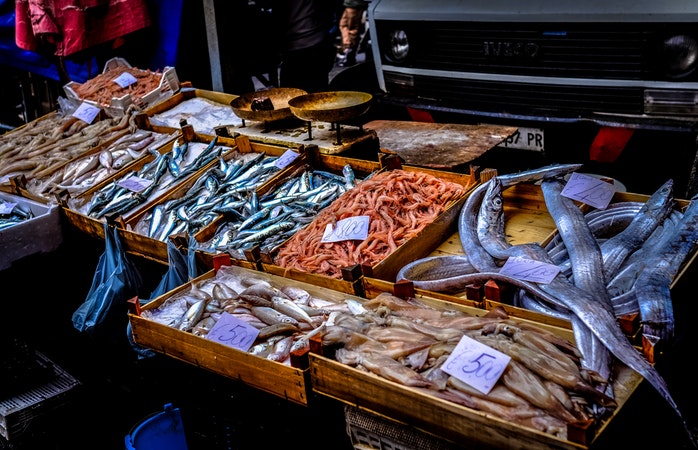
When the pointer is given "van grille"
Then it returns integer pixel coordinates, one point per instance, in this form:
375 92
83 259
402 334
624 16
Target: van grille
590 51
516 98
556 50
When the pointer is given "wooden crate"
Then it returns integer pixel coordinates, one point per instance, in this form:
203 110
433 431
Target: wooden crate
420 245
527 220
156 249
218 100
448 421
288 382
95 227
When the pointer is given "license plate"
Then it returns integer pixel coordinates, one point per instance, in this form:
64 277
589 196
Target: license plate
525 139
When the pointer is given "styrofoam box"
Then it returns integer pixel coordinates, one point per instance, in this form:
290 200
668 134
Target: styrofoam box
169 85
40 234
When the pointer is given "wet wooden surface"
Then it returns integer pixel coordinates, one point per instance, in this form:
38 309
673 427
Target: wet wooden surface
437 145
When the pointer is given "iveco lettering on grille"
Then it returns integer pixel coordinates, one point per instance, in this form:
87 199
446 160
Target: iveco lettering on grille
510 49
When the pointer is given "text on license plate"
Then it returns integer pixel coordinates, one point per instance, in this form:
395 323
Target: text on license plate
525 139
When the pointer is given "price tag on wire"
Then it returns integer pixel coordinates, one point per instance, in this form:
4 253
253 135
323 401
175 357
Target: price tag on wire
529 270
86 112
285 159
125 80
476 364
351 228
231 331
589 190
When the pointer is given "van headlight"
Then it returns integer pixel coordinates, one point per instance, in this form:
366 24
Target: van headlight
399 46
680 55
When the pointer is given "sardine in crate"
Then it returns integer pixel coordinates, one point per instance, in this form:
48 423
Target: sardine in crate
18 412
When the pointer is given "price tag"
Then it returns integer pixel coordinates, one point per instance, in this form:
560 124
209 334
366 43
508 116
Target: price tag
476 364
125 80
529 270
352 228
590 190
135 184
6 208
285 159
86 112
231 331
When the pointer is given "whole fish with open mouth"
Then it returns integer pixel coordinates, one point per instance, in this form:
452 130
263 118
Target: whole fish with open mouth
597 316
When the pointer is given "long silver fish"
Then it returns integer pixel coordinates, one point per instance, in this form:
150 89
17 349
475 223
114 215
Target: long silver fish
662 266
467 220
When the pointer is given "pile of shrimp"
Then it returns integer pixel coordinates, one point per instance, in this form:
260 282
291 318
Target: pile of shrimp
102 88
399 203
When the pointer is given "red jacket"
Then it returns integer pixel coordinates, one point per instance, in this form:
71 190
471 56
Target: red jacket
64 27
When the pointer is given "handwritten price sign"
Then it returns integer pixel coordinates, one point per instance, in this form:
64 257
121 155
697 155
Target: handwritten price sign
233 332
285 159
86 112
590 190
529 270
352 228
125 80
476 364
6 208
135 184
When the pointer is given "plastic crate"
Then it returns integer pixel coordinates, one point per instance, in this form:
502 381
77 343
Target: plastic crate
17 412
371 432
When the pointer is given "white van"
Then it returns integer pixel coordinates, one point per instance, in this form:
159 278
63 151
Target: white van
611 83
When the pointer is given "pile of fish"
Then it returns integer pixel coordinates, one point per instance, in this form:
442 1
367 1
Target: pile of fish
13 213
612 262
399 204
543 387
165 169
227 189
82 173
269 221
54 140
286 316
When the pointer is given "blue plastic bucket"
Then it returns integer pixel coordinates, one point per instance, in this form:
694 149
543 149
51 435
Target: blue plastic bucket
163 430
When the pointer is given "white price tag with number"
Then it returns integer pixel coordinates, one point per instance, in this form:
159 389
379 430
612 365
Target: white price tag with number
351 228
529 270
476 364
86 112
6 207
231 331
285 159
125 80
135 184
589 190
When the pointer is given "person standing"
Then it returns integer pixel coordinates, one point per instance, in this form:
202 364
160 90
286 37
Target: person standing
306 43
350 29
